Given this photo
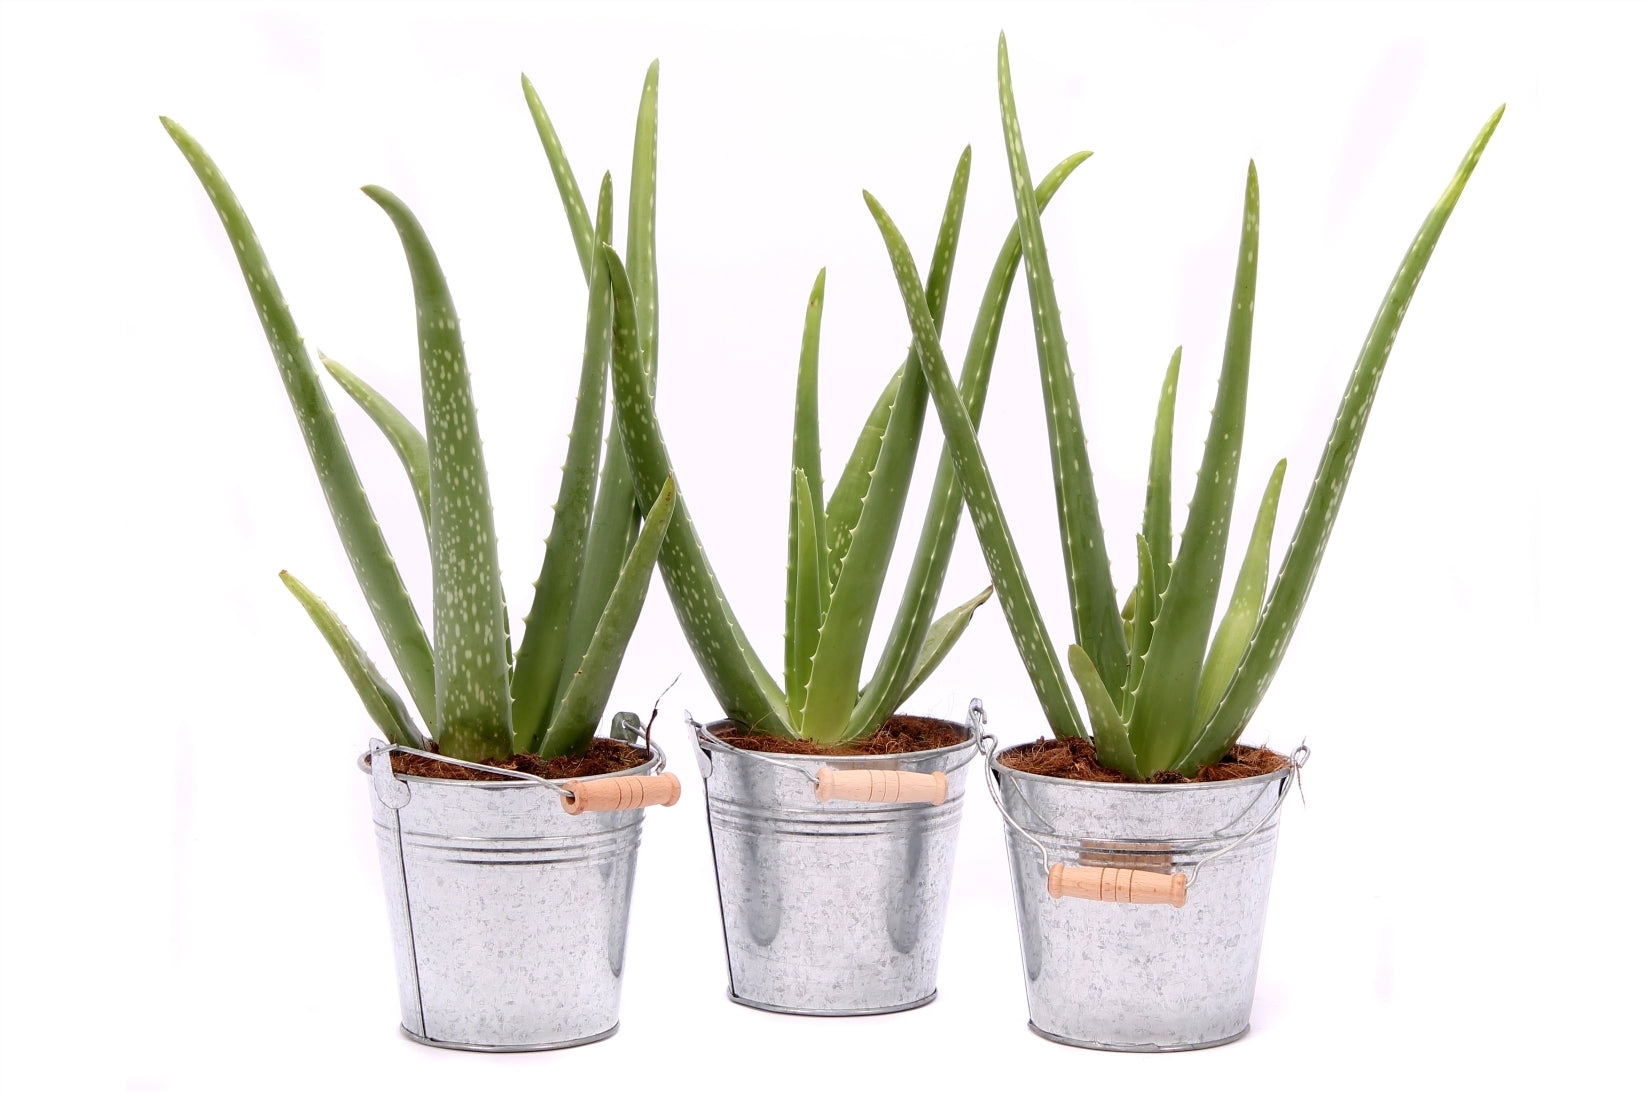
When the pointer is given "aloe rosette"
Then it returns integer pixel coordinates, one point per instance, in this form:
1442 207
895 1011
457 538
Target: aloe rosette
838 550
479 698
1161 691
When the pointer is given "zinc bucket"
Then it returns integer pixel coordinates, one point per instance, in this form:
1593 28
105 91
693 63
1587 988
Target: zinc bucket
1140 907
833 871
508 900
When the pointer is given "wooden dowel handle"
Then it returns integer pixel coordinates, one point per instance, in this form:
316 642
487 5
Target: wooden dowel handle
1117 885
622 793
881 786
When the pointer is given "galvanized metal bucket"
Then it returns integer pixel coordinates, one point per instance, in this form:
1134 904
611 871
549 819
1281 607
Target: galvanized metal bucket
1140 907
833 871
508 900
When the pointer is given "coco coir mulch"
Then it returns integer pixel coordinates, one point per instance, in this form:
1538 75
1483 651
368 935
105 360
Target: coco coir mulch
1077 759
898 735
604 756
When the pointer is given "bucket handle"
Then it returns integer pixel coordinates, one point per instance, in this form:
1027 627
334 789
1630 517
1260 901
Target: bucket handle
866 786
1125 885
620 793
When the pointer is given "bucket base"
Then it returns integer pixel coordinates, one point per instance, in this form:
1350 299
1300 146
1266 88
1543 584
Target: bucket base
501 1048
1096 1046
796 1011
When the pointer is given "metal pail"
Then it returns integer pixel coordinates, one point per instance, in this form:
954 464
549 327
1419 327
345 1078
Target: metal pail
508 902
833 871
1140 907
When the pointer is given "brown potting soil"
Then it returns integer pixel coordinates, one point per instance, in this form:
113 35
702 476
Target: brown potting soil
604 756
1077 759
898 735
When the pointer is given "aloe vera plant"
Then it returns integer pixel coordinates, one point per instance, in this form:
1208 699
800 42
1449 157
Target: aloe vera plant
479 698
1158 697
838 550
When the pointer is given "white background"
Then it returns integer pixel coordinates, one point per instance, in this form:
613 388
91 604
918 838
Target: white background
191 900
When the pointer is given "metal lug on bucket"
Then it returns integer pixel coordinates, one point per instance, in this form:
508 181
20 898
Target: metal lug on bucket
705 764
392 791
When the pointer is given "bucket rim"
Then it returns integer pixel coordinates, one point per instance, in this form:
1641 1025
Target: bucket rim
1119 787
654 764
709 742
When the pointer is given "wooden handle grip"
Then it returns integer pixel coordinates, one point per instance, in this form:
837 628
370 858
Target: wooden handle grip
1117 885
881 786
622 793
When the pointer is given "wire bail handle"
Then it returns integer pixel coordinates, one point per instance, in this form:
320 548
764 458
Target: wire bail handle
616 793
1124 885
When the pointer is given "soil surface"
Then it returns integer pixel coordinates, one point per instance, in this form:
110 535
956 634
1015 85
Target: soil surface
1077 759
604 756
898 735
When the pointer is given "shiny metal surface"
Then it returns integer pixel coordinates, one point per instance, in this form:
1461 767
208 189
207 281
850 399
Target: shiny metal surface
1124 977
508 916
830 908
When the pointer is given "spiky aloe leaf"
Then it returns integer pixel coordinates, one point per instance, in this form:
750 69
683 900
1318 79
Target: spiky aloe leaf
641 243
1301 564
579 713
940 639
387 711
1107 728
903 651
402 433
576 212
809 595
351 512
1156 507
744 687
544 659
471 700
1091 596
845 505
1162 720
1022 613
1146 593
1239 621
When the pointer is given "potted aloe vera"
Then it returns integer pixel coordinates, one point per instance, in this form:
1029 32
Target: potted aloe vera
507 831
1142 848
823 802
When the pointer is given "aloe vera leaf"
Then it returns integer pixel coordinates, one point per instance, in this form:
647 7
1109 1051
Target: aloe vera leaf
543 660
1301 564
1085 556
576 212
357 528
810 594
1142 626
889 686
387 711
1156 507
578 715
845 504
805 603
471 701
1239 621
402 433
1162 720
1112 743
940 639
744 688
999 550
641 244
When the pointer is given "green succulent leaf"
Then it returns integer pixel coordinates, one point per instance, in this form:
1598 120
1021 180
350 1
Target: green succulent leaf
1239 621
642 225
1146 593
940 639
1301 564
744 688
578 716
1085 556
362 539
545 657
807 595
1108 729
401 433
387 711
576 213
901 663
1156 508
1022 613
1162 720
471 693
